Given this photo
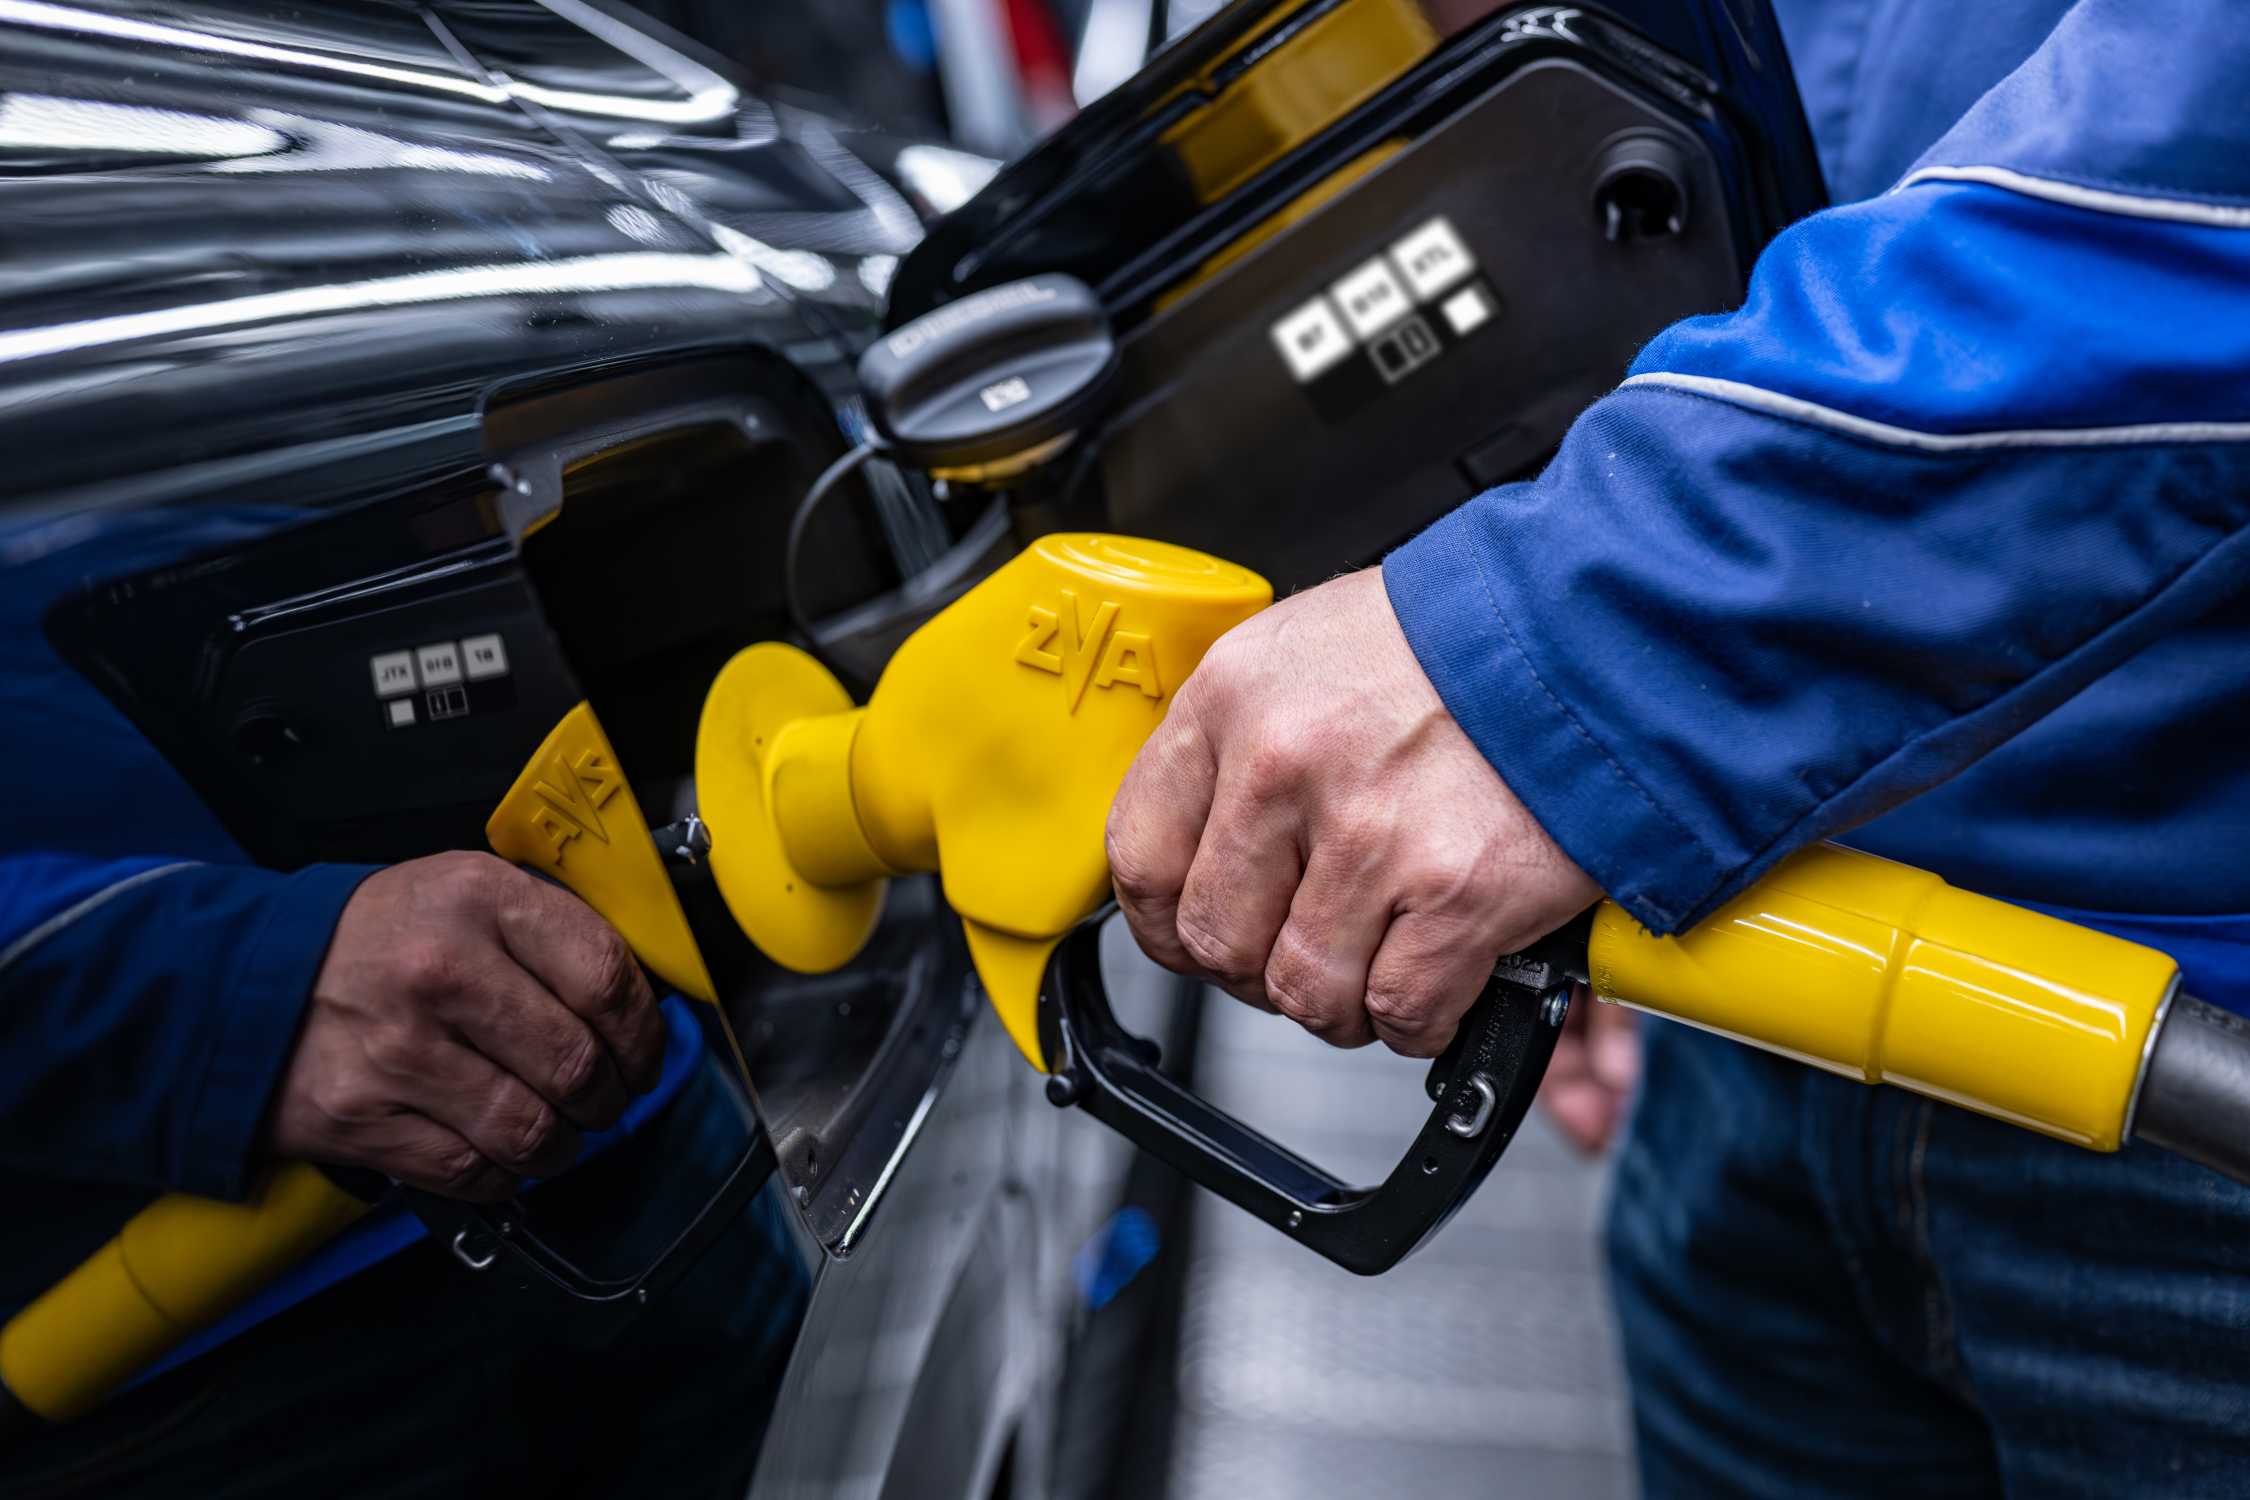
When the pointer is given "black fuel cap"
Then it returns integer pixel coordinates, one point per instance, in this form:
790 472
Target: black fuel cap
995 382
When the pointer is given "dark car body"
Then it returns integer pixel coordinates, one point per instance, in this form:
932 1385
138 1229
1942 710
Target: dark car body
436 275
326 257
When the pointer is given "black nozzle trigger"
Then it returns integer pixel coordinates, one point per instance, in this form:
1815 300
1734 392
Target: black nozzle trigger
1480 1089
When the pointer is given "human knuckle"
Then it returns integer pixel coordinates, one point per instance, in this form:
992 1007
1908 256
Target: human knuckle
343 1105
1419 1044
577 1068
1222 661
471 875
531 1135
456 1167
611 971
1446 876
1217 953
1331 1023
429 967
1272 766
392 1051
1185 739
1299 997
1131 872
1400 1010
1358 835
1297 978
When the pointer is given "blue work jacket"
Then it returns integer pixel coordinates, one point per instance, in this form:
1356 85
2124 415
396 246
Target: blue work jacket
151 978
1939 540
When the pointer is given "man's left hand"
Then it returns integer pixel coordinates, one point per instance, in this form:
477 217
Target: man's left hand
1310 829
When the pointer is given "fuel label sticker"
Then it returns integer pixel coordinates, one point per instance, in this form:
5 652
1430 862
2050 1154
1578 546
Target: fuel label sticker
1397 311
1372 298
1311 339
1468 310
442 680
1432 258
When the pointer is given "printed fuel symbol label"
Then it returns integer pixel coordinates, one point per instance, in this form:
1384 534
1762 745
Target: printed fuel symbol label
1432 258
1386 319
1371 298
1311 339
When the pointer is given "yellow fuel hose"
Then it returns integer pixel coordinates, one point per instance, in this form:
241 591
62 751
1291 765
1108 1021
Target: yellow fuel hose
177 1266
1886 974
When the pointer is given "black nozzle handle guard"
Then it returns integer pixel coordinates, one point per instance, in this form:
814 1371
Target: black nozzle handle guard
1480 1089
501 1236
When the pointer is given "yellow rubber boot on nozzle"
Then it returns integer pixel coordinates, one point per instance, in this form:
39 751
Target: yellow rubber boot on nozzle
989 752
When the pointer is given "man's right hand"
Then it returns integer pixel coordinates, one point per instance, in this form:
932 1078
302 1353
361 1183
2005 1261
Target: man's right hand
468 1022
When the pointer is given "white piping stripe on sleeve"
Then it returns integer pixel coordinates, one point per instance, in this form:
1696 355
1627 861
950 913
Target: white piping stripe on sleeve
1761 399
69 914
2101 200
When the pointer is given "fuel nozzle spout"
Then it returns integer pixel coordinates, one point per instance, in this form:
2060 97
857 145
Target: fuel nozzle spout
989 753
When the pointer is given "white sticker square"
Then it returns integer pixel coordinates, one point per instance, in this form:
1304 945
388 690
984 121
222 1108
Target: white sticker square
394 673
440 663
402 712
1432 258
1467 309
1311 339
1002 394
487 656
1371 298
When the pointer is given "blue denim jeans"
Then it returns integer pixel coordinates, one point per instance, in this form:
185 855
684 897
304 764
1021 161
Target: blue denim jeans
416 1378
1831 1290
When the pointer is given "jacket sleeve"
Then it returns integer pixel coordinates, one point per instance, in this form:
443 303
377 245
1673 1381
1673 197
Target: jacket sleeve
1965 448
146 1009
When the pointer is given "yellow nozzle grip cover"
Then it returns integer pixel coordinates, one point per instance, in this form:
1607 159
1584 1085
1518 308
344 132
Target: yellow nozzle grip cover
995 742
178 1265
572 815
989 753
1887 974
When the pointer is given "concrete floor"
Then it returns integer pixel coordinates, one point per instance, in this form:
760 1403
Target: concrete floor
1484 1366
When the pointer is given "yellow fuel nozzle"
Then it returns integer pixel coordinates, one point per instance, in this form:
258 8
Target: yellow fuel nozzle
992 747
989 752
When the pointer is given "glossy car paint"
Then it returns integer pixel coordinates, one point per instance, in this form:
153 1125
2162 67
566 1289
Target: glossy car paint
269 252
246 231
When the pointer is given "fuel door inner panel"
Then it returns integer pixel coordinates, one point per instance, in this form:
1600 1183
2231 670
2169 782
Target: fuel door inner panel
1369 257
